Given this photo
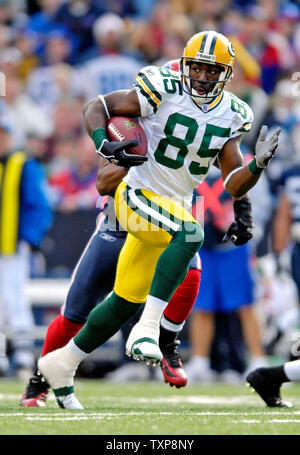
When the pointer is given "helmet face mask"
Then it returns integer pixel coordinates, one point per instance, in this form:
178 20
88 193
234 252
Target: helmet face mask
209 48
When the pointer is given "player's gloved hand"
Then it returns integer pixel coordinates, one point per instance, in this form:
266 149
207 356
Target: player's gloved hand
265 148
241 230
116 153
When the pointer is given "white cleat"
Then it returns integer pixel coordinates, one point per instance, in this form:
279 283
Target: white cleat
56 369
143 347
68 401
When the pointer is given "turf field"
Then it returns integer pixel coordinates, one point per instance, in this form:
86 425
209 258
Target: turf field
151 409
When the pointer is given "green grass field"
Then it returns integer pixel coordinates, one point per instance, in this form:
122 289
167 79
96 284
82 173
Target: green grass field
150 409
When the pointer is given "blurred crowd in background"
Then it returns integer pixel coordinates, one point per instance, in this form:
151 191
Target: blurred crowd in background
58 54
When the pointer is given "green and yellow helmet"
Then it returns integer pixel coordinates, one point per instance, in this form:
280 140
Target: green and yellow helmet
211 48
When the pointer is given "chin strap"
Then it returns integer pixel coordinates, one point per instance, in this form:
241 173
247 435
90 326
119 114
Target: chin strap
200 102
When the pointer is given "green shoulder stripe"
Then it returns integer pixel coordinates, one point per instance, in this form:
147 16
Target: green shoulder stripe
150 86
147 96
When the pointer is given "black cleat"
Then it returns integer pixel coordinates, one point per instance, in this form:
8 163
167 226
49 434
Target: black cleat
267 387
36 391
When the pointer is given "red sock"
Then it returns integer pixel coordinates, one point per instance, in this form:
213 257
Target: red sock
184 297
59 332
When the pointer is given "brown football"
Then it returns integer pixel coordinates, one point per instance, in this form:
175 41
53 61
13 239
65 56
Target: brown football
125 129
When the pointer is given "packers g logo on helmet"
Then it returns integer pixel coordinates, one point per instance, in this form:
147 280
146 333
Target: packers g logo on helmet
211 48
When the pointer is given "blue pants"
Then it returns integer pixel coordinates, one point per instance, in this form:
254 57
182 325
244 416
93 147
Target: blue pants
226 282
94 275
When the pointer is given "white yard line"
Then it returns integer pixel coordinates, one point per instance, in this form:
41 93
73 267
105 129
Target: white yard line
237 417
284 421
85 415
266 421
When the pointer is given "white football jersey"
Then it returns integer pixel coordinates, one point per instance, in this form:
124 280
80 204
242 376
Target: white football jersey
183 140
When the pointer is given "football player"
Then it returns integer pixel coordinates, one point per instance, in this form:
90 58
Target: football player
191 122
93 279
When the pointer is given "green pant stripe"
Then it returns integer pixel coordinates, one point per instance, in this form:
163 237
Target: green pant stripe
146 216
158 208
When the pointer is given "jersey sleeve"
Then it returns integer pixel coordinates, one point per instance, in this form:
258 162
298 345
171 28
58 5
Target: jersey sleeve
243 116
150 88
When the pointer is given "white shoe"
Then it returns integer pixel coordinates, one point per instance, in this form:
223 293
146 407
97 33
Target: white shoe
56 369
68 401
143 346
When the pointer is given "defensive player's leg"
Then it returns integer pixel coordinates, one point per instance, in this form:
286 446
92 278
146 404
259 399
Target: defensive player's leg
267 382
182 301
202 325
92 280
172 322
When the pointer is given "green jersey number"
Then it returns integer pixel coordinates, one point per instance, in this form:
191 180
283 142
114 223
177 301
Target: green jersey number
171 83
178 143
181 144
238 106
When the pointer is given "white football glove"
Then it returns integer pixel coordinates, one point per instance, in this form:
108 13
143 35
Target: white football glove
265 148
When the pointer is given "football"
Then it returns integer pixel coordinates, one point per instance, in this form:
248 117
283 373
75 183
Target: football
125 129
